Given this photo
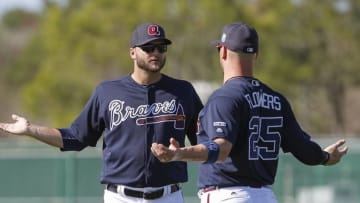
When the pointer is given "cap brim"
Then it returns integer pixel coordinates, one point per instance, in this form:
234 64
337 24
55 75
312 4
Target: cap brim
166 41
215 42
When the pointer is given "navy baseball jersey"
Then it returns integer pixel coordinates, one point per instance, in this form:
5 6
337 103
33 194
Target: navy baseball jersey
258 122
130 117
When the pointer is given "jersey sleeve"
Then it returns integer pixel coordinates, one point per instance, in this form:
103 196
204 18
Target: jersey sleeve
220 120
197 106
298 142
87 127
70 142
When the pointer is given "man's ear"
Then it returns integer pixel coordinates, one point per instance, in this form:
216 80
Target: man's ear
132 53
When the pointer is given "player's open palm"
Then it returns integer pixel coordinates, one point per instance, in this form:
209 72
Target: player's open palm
166 154
335 152
19 127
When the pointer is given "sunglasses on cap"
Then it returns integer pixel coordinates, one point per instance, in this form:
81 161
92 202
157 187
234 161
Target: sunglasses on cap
149 48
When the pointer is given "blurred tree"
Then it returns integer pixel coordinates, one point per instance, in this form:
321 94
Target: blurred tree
317 47
83 46
18 19
307 51
16 28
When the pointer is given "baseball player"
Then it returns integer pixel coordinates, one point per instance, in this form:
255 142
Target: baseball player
242 128
132 112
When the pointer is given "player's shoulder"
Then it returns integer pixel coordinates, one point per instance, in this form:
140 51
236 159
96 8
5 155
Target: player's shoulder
176 82
237 87
271 91
172 79
118 83
115 81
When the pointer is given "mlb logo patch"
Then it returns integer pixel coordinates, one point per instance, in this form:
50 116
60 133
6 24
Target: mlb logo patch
219 130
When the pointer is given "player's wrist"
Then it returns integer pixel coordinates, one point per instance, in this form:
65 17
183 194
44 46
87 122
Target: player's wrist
326 158
213 150
32 130
177 154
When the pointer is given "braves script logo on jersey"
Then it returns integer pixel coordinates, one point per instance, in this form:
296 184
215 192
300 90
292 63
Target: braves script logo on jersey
147 114
153 30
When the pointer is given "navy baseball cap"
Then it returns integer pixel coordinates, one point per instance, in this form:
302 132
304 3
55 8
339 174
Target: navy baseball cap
146 33
239 37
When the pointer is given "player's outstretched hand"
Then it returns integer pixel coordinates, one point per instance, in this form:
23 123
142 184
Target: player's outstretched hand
19 127
335 152
166 154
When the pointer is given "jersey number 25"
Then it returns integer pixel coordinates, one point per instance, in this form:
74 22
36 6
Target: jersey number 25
264 139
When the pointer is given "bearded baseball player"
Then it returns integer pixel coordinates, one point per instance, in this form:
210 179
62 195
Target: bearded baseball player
132 112
242 128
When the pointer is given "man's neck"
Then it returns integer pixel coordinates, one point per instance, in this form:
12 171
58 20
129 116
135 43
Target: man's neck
237 73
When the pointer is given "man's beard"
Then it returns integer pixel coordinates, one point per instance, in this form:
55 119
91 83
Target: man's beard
149 68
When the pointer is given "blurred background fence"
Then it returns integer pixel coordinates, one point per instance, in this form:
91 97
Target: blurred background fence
35 173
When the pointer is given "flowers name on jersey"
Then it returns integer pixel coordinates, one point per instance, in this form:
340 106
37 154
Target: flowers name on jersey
146 114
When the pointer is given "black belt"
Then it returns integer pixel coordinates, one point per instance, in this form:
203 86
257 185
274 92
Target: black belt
145 195
212 188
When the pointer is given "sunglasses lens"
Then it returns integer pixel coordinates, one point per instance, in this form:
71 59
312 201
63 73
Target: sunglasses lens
161 48
147 49
151 48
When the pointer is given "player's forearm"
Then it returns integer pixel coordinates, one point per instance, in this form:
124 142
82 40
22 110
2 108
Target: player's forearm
206 152
50 136
200 152
196 153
